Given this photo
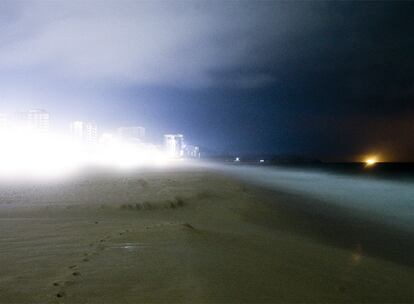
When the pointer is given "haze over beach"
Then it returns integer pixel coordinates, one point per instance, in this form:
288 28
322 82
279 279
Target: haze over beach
206 152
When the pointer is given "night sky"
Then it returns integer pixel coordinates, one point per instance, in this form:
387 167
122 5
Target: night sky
332 80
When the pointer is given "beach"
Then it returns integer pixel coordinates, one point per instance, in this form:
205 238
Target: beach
191 235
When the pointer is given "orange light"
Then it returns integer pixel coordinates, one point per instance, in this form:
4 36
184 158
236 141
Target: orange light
370 162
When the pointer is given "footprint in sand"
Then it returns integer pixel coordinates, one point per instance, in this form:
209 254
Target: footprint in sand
60 294
86 258
63 283
123 232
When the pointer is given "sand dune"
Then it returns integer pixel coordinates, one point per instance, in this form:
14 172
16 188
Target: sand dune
189 236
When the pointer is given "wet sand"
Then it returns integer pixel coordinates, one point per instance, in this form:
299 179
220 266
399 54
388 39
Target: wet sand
191 236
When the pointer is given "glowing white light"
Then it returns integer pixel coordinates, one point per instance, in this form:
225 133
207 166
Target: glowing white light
113 151
29 153
237 159
26 152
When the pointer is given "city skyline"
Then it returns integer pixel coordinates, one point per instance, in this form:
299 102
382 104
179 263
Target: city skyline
88 134
319 79
64 127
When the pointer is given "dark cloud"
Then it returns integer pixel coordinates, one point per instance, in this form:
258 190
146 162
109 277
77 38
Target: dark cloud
304 77
175 44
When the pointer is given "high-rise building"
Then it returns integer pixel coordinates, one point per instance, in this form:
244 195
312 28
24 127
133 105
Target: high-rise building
191 151
4 121
174 145
85 132
132 133
38 120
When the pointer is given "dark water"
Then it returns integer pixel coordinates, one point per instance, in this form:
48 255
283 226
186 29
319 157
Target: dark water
396 171
384 191
392 171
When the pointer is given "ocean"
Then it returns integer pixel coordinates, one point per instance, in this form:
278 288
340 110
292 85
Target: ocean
383 192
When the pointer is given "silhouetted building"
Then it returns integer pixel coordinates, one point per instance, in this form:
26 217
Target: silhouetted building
38 120
85 132
191 151
174 145
35 120
4 121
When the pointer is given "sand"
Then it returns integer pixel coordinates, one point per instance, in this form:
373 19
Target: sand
190 236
